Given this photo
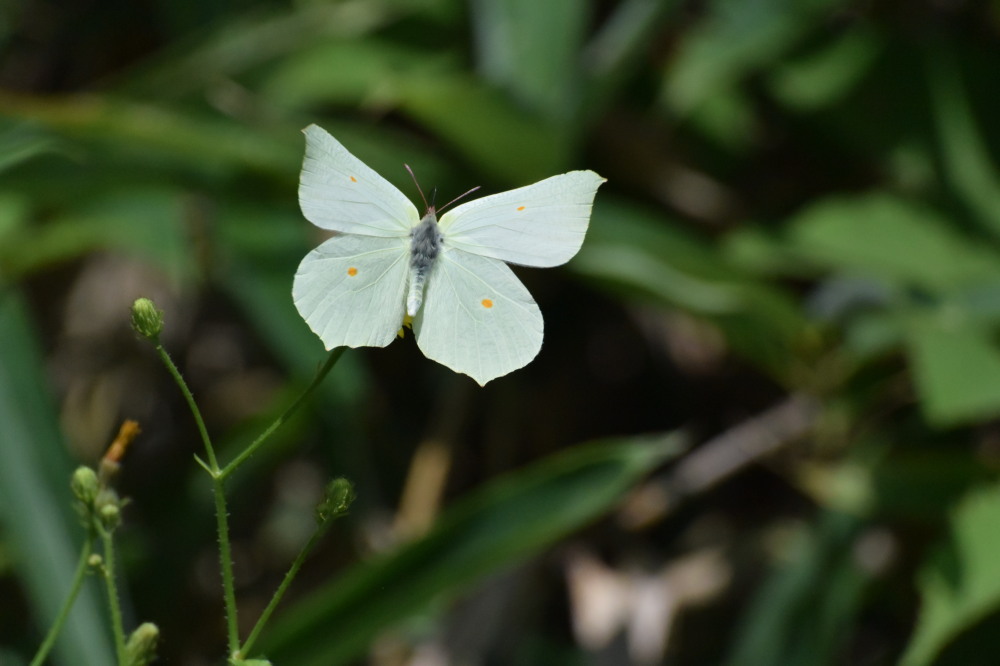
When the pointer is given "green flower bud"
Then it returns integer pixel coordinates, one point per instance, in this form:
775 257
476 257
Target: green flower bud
147 321
95 561
337 499
140 649
84 485
111 516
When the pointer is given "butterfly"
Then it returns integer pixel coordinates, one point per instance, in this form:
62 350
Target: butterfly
469 311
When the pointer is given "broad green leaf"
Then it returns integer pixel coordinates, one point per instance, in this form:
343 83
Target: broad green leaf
35 503
735 38
882 236
644 258
368 73
825 76
502 523
956 366
960 589
489 129
519 50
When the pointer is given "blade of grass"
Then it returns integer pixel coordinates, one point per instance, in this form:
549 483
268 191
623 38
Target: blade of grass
35 504
505 522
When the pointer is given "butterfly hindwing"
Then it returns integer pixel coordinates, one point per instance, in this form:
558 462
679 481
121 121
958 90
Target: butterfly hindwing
350 290
477 317
538 225
337 191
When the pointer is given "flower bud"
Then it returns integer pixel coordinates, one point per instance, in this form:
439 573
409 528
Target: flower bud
147 321
84 485
141 647
111 516
337 498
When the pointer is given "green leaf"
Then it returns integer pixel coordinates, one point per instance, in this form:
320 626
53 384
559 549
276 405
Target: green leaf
956 366
644 257
802 614
967 163
148 222
244 42
960 588
904 242
367 73
19 144
154 134
520 51
504 522
735 38
828 74
488 128
35 502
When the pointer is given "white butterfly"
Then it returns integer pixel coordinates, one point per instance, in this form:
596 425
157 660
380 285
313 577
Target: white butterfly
469 310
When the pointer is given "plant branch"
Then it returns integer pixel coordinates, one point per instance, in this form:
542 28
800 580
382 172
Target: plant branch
257 443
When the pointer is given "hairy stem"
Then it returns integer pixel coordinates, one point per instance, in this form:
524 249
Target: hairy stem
114 605
221 512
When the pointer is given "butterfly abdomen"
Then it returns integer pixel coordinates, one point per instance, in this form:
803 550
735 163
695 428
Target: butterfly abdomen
425 245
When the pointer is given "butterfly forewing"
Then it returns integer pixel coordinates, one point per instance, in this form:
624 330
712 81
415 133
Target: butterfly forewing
350 290
538 225
338 192
477 317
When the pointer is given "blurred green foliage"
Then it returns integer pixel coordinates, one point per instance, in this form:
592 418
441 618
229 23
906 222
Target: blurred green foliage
803 200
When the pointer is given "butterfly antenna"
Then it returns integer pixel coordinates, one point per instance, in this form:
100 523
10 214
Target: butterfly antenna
414 177
459 197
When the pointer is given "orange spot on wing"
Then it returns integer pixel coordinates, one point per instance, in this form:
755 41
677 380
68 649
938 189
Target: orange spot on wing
487 303
520 207
352 271
353 179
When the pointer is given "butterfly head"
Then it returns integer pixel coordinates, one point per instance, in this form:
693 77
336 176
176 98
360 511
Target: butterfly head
430 207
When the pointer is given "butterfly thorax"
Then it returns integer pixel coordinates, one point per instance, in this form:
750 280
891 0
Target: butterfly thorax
425 245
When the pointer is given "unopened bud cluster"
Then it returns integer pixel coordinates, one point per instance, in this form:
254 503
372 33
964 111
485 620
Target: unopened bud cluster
94 500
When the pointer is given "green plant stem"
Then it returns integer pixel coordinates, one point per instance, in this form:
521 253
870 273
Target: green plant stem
114 605
189 397
250 450
280 592
219 476
221 512
74 592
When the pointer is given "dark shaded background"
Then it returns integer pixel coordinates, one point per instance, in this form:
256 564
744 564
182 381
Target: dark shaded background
794 261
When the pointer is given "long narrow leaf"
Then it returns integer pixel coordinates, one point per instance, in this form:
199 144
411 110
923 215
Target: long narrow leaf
35 507
505 522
